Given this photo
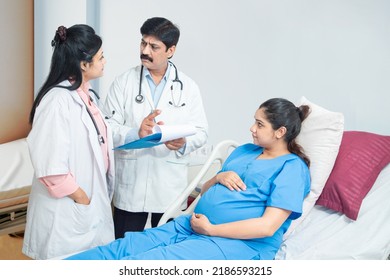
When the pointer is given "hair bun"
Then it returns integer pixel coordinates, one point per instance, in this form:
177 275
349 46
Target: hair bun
61 31
60 36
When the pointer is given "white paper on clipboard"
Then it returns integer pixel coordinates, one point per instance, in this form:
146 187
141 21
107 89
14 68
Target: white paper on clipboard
161 134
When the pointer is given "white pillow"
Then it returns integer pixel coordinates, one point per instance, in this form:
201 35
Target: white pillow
320 138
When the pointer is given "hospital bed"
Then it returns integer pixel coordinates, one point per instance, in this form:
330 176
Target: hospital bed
347 212
16 174
323 233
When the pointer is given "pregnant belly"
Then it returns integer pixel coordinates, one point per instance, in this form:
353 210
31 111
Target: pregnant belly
221 205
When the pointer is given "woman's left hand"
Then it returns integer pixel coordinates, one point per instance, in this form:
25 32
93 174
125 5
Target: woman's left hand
201 224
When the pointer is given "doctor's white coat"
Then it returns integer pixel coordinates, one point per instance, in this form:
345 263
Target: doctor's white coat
149 180
63 139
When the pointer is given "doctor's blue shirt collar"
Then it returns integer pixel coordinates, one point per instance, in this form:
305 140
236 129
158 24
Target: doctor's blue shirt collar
148 76
156 90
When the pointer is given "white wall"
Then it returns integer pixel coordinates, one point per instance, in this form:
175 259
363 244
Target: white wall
48 16
334 52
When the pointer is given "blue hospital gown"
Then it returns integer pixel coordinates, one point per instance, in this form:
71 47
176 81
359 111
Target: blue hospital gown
282 182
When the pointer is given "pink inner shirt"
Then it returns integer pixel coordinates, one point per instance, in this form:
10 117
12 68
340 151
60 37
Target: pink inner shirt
65 184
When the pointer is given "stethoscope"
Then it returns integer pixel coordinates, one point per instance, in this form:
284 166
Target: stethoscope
100 136
140 98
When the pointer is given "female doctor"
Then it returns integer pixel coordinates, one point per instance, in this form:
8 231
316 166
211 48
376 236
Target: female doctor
149 180
71 150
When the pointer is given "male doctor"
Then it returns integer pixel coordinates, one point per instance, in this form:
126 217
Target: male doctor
148 180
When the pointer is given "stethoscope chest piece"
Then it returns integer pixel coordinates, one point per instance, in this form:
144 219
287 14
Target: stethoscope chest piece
139 98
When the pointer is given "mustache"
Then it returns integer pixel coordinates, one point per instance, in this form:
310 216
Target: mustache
145 56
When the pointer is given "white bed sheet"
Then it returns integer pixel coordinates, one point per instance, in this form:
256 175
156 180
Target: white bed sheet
16 173
327 235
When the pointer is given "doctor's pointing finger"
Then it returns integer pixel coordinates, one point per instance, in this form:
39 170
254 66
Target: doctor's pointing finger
148 123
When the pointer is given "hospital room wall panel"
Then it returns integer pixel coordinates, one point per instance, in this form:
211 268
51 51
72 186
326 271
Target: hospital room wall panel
17 68
16 60
25 55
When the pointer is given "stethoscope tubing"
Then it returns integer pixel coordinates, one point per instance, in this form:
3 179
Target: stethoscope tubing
100 137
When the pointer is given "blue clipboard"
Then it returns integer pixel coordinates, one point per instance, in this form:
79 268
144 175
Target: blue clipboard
146 142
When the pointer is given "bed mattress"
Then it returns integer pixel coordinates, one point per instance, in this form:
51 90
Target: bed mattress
326 234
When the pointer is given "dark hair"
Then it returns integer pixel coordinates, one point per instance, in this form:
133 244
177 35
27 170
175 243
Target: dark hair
162 29
71 46
281 112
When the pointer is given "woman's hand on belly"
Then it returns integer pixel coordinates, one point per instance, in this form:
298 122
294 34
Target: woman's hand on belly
201 224
231 180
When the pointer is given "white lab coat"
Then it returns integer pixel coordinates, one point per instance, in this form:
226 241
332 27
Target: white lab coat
149 180
63 139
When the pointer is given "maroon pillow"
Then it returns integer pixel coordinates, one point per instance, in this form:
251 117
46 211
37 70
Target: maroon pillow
361 158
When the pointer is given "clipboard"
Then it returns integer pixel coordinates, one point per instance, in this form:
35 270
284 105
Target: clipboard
161 134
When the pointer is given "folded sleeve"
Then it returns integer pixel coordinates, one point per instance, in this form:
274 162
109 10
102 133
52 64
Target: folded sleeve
60 186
